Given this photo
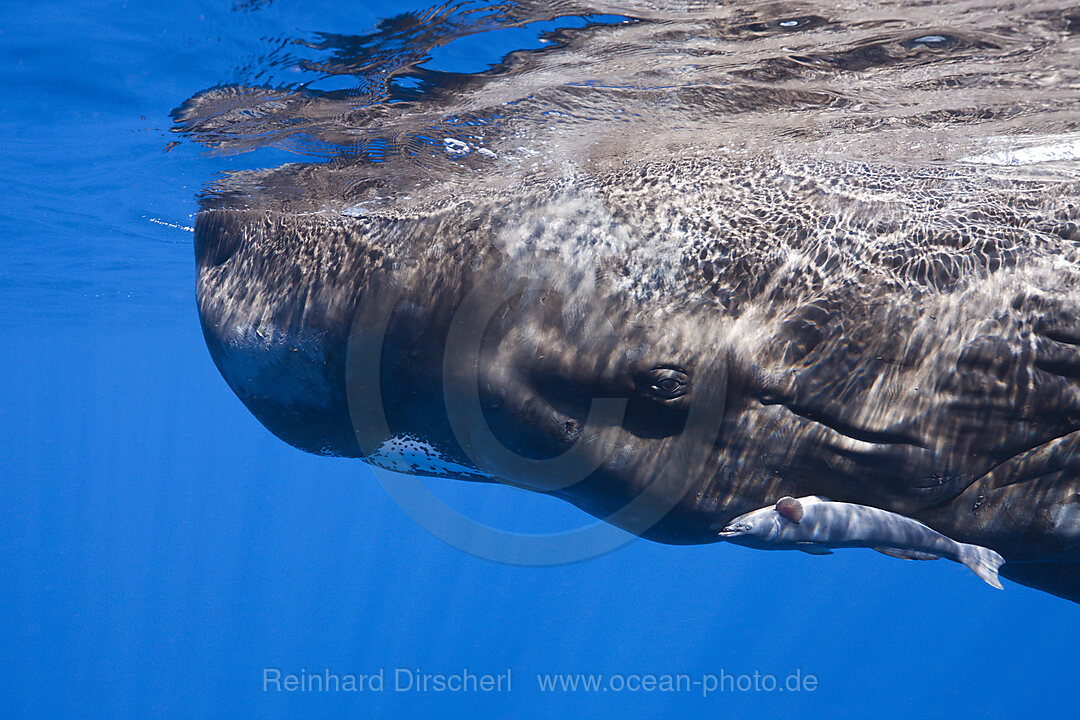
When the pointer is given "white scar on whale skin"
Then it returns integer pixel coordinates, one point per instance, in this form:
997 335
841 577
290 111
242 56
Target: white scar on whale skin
814 524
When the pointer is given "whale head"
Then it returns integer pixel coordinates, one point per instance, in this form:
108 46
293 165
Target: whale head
626 335
533 340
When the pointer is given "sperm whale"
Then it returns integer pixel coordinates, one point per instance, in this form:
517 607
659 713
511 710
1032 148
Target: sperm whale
634 291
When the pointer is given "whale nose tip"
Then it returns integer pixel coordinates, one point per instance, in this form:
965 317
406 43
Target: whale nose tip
215 240
279 353
738 528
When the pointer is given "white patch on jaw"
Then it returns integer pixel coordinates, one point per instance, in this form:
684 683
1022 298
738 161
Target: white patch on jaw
259 362
410 456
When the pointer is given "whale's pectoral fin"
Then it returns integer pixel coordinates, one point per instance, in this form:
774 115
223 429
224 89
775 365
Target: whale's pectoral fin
790 508
813 548
907 554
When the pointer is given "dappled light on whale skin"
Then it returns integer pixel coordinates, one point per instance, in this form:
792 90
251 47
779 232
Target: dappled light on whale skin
670 264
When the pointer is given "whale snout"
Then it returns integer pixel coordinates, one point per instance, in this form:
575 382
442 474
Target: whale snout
280 352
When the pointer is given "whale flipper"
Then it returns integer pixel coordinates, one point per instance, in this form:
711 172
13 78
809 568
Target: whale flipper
813 549
907 554
790 508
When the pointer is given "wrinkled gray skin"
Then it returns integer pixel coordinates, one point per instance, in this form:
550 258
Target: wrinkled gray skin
907 339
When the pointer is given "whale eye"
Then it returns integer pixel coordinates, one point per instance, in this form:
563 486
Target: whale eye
668 383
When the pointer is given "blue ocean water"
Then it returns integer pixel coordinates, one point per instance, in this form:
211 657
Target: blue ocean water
163 555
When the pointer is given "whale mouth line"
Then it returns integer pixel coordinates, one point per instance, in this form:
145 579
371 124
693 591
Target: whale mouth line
846 429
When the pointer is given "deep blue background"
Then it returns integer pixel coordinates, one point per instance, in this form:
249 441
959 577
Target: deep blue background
159 548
